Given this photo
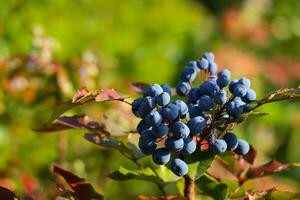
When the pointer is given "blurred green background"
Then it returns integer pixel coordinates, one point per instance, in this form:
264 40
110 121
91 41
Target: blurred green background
49 49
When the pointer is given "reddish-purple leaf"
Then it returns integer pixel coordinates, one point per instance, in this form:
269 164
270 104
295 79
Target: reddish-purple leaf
251 155
81 94
7 194
82 189
107 94
271 167
139 87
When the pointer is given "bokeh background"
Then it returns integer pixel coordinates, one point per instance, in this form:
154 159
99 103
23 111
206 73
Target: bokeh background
49 49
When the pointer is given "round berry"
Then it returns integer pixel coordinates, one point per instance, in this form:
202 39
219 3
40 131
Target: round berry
220 97
250 96
203 64
219 146
209 56
212 68
147 147
180 130
179 167
135 106
239 90
189 146
154 90
232 84
153 118
208 88
194 95
231 141
163 99
196 125
223 78
188 74
161 156
182 107
147 136
160 131
169 112
194 111
174 144
166 88
234 109
142 126
242 147
205 103
244 81
183 88
146 106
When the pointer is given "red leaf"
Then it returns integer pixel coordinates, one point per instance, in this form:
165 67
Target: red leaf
271 167
80 94
82 189
7 194
251 155
107 94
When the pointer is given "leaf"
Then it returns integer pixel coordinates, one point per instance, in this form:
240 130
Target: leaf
273 166
203 160
251 155
83 96
281 94
281 195
139 87
145 174
211 187
82 189
7 194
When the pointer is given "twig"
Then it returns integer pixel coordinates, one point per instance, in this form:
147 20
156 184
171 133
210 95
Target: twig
189 188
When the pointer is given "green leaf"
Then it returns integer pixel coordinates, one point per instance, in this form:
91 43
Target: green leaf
211 187
280 195
145 174
231 184
199 162
280 95
166 174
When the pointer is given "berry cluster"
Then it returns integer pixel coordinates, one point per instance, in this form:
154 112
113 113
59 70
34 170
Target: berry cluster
176 126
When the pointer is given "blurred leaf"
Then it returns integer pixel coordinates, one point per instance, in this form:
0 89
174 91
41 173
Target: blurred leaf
145 174
7 194
279 95
281 195
271 167
82 189
142 197
251 155
139 87
211 187
107 94
231 184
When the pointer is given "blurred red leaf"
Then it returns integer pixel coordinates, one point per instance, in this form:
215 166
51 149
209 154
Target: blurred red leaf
251 155
107 94
6 194
271 167
80 94
82 189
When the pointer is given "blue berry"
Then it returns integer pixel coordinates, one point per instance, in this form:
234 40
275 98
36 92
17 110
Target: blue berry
213 78
223 78
189 146
196 125
212 67
247 108
209 56
193 64
203 64
153 90
146 106
169 112
205 103
194 95
147 147
135 106
142 126
239 90
231 141
219 146
179 167
160 131
194 111
234 109
250 96
161 156
183 88
244 81
220 97
153 118
242 148
163 99
188 74
180 130
232 84
166 88
208 88
174 144
182 107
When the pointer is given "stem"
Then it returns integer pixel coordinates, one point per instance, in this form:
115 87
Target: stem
161 188
189 188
